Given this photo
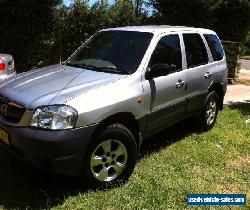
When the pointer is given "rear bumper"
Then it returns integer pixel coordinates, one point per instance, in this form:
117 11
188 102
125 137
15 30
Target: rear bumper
60 152
6 76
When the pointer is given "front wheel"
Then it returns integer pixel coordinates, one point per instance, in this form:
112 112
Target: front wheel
210 111
111 158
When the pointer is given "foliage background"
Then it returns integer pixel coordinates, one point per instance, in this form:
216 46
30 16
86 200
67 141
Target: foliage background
39 33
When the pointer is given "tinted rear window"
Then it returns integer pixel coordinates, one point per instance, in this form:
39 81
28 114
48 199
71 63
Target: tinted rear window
196 52
215 46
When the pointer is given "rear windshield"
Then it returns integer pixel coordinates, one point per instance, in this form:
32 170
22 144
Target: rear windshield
113 51
215 46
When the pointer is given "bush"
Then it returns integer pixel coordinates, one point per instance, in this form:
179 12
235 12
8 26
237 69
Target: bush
25 27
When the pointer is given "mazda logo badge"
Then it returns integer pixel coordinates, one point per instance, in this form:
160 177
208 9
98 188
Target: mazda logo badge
4 108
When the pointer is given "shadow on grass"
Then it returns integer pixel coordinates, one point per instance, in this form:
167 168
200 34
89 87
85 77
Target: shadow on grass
168 136
244 108
25 187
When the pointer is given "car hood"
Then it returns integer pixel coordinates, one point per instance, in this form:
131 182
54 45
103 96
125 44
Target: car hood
53 85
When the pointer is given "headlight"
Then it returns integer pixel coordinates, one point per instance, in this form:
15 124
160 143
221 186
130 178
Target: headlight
54 117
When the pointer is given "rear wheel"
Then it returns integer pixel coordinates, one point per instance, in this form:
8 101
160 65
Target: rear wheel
111 158
210 111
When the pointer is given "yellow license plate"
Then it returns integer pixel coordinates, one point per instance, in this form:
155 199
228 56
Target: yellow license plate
4 136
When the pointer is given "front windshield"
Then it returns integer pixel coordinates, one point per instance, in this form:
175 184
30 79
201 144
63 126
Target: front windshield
112 51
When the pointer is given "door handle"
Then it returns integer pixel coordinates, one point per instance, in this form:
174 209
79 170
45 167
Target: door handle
208 75
180 83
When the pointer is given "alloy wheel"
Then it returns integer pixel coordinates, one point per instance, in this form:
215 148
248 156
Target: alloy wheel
108 160
211 112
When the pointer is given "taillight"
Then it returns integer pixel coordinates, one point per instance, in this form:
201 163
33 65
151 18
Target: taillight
2 66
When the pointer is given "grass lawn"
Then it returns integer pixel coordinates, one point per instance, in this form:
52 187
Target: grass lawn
247 57
243 81
173 163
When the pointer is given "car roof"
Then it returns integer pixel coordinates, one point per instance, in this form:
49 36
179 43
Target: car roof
158 29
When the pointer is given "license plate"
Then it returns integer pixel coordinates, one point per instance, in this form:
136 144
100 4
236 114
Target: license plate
4 136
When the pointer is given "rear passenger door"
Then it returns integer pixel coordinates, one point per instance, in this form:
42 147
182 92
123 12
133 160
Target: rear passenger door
199 70
218 63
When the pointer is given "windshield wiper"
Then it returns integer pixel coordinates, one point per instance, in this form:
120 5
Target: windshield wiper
80 65
95 68
113 69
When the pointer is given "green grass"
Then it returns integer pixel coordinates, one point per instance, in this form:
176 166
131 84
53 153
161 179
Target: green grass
247 57
173 163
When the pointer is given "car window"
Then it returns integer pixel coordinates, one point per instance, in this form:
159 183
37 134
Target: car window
215 46
168 51
196 52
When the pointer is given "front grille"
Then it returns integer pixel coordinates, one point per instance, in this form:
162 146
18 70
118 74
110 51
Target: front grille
10 110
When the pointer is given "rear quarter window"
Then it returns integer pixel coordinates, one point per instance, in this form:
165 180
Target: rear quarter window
215 46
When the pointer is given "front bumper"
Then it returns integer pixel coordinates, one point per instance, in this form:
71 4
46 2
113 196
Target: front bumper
60 152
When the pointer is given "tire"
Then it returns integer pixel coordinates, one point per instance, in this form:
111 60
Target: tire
111 158
209 111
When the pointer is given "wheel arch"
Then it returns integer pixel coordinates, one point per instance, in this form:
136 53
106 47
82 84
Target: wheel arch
125 118
218 88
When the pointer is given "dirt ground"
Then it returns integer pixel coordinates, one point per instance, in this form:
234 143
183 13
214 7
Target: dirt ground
240 93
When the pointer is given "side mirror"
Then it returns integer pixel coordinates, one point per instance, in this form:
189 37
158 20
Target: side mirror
157 70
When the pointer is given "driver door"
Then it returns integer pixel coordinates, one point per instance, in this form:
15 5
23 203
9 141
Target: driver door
167 93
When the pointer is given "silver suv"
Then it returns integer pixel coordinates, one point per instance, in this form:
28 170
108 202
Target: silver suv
88 116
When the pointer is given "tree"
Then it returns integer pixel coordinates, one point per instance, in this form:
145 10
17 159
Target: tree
38 33
76 26
245 47
123 13
232 19
100 17
182 12
79 22
229 18
83 20
137 6
25 25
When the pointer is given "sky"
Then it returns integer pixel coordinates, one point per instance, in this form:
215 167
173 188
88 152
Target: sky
67 2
